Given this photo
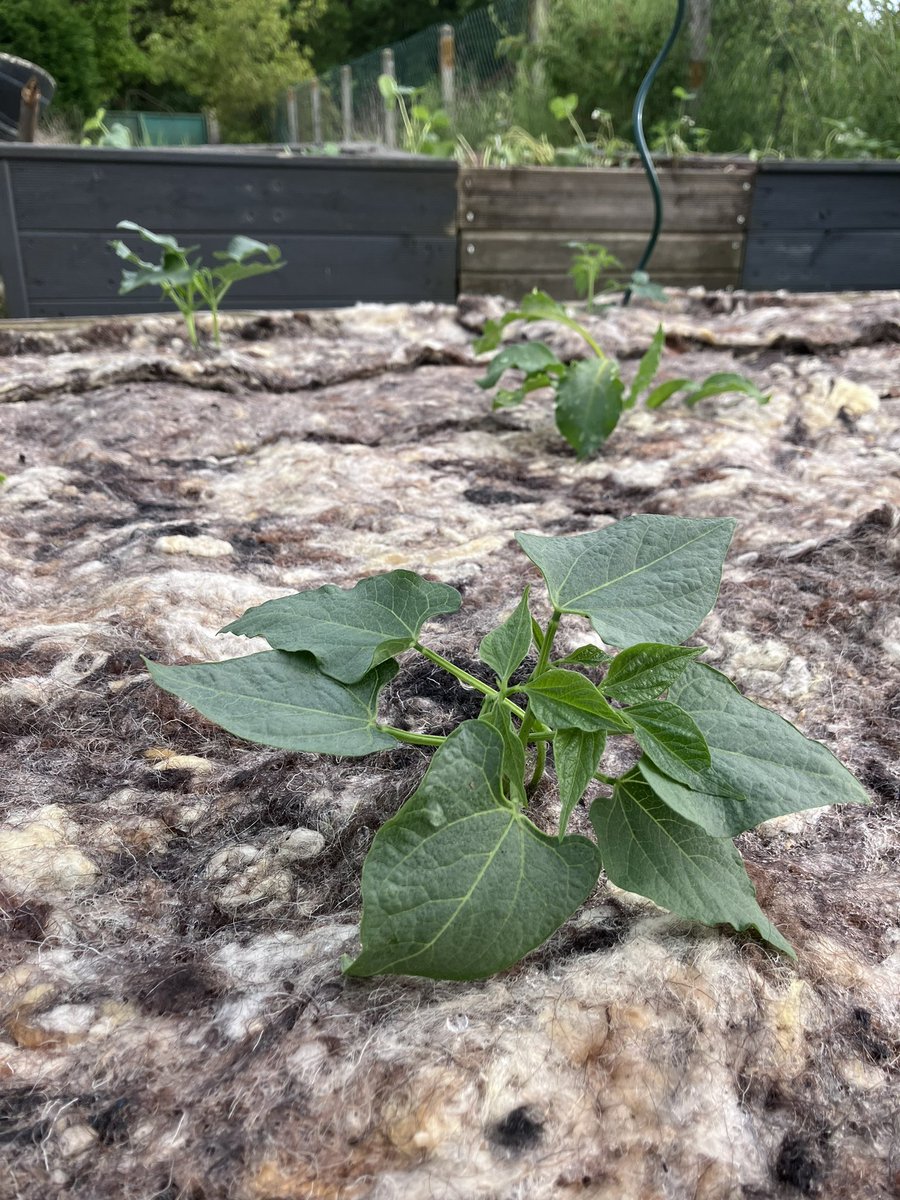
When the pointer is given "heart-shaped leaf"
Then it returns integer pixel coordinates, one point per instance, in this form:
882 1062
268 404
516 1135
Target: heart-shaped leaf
576 756
761 765
566 700
643 672
589 404
669 738
459 884
350 630
284 700
649 849
504 648
643 579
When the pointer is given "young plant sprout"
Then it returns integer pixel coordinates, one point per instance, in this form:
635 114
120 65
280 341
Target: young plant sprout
188 284
590 394
461 883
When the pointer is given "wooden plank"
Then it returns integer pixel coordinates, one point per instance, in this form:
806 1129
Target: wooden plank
240 196
514 287
555 199
78 273
11 268
826 200
676 254
825 261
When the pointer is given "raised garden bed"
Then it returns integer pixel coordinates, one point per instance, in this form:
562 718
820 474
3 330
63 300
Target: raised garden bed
349 228
515 224
173 1019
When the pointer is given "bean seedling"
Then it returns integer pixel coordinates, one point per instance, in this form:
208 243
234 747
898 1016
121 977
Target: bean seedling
590 394
461 883
190 285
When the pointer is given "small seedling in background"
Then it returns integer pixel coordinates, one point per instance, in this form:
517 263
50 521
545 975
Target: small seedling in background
95 132
589 262
425 130
590 394
188 284
461 883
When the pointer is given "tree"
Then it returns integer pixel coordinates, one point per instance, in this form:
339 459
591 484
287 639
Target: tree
86 47
236 56
350 28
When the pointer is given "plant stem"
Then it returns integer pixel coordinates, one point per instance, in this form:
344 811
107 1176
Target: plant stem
594 345
610 779
465 677
414 739
529 721
540 762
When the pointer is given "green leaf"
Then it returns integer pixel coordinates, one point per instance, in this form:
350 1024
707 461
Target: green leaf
669 738
643 579
663 391
232 272
529 357
504 648
458 884
720 384
589 404
241 247
562 107
647 367
538 306
586 656
646 670
641 286
566 700
350 630
155 277
283 700
498 717
761 765
648 849
157 239
576 756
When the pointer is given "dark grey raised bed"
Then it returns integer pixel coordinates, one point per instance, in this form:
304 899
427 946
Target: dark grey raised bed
824 227
350 229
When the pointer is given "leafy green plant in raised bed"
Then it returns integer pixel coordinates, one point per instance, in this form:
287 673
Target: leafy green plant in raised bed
590 260
425 130
461 882
189 284
590 393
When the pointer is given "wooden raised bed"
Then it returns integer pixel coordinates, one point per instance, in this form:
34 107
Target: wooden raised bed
376 229
824 227
515 223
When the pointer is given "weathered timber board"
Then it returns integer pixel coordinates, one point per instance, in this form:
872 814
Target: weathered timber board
832 259
333 268
824 227
550 252
556 199
381 229
561 287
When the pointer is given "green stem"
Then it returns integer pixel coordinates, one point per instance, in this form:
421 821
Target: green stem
594 345
528 721
540 762
465 677
414 739
610 779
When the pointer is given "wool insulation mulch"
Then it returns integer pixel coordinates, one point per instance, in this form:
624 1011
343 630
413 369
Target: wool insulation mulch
174 903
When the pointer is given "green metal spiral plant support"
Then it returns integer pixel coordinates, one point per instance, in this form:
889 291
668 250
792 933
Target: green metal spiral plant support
637 124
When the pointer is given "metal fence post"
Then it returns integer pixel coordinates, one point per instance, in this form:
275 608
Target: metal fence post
447 58
292 124
390 106
347 103
315 99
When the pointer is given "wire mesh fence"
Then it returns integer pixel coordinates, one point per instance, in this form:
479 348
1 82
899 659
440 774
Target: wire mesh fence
451 64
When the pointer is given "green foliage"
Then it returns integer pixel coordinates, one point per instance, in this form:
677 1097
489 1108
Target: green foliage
424 131
234 56
59 37
590 395
95 132
461 883
188 283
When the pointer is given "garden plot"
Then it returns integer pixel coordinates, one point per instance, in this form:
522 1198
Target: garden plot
176 902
